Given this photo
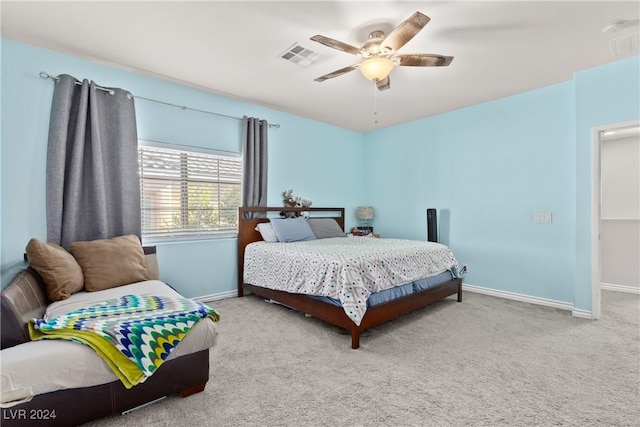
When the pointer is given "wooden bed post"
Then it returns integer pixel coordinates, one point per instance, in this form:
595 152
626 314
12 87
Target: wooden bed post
355 337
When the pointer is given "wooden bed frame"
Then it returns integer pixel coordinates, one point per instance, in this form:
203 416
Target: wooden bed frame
330 313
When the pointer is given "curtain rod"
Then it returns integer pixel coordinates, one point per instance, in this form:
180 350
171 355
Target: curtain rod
182 107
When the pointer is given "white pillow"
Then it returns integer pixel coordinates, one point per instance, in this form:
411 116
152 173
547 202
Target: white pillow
266 231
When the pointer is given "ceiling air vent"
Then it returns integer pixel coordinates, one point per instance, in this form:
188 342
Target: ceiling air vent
299 55
624 45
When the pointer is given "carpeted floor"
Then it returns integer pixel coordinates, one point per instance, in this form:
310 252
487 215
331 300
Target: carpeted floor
483 362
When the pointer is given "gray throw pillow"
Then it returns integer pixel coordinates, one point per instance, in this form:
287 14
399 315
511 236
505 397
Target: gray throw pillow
325 227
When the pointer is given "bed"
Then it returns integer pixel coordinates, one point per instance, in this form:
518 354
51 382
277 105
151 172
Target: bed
419 293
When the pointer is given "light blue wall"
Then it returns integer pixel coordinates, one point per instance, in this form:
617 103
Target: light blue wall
604 95
309 157
487 169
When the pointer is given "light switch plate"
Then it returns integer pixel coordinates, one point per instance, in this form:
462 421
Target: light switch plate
542 217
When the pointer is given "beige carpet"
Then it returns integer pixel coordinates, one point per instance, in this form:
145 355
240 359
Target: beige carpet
483 362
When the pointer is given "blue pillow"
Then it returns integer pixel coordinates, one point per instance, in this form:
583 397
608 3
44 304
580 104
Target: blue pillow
292 229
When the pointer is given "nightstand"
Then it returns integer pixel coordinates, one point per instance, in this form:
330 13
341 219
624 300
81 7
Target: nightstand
375 236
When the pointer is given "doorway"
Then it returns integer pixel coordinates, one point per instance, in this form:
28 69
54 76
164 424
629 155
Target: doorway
615 210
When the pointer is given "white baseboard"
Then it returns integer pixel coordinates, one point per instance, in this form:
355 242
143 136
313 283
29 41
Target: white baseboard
217 297
619 288
518 297
583 314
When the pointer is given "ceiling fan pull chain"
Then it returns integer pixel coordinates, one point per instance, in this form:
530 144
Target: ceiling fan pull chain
375 104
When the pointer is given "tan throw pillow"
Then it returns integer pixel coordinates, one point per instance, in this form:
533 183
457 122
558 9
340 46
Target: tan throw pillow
60 272
109 263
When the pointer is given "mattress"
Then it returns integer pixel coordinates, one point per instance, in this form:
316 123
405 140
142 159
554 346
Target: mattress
348 270
51 365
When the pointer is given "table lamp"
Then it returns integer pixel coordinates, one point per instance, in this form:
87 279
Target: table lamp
364 213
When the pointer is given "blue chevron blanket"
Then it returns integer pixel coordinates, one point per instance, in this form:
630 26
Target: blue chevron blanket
134 334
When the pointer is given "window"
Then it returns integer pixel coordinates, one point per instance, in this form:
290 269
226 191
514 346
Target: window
188 193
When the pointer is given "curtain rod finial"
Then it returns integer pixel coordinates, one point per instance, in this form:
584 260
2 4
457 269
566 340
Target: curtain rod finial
45 76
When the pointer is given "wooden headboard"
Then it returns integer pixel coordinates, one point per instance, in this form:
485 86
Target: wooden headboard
247 233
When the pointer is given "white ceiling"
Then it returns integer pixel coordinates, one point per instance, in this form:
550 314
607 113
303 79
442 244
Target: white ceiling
233 48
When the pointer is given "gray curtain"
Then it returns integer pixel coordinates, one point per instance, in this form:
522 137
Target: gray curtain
93 189
255 143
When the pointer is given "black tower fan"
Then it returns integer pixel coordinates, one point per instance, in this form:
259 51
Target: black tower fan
432 225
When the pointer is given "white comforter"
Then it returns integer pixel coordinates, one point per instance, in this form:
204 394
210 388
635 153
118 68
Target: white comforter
347 269
38 367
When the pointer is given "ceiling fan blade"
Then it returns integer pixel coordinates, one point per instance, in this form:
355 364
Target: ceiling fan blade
337 73
336 44
384 84
422 60
405 31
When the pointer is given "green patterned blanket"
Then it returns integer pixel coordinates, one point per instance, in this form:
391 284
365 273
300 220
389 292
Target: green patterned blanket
134 334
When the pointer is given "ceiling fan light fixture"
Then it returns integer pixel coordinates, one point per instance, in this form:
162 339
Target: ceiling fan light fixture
377 68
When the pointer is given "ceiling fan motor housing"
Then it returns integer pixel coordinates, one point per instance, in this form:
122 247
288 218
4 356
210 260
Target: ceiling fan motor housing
372 46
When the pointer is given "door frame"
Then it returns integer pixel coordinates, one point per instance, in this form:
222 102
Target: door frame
596 217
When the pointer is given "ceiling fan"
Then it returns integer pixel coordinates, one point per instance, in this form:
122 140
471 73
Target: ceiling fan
380 52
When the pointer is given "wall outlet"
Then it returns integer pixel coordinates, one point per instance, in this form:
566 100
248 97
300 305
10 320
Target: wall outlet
464 270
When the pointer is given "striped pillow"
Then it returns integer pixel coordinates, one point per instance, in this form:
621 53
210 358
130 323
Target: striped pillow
292 229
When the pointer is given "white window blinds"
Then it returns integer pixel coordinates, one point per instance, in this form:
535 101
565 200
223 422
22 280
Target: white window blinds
188 194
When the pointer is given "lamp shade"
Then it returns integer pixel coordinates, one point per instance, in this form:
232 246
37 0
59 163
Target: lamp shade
376 68
364 212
